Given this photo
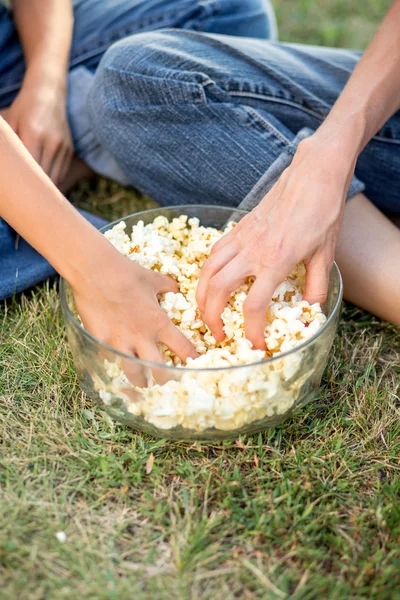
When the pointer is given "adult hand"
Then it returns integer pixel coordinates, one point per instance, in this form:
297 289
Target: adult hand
38 116
118 304
298 220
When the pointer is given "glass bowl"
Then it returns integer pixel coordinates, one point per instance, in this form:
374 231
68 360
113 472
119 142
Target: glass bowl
255 396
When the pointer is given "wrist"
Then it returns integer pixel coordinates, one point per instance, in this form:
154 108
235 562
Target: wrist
94 258
343 134
332 151
47 76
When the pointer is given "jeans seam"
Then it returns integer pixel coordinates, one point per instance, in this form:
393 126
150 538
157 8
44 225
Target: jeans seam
267 125
203 92
199 86
309 111
270 98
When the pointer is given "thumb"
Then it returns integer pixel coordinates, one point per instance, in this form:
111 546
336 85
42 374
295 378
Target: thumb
164 283
318 271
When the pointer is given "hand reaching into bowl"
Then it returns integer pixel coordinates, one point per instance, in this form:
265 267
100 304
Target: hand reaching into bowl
298 220
116 299
118 305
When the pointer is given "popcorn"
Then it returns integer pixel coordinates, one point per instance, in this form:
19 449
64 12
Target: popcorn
208 392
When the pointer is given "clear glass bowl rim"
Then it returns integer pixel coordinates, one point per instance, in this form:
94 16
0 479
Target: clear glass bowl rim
70 316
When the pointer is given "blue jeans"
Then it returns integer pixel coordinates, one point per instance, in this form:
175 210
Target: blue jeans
210 118
98 25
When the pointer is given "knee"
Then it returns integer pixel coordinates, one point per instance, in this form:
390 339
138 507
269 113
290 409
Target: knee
120 70
141 72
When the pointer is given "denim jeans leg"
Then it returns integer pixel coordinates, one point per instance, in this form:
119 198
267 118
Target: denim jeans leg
201 118
99 25
192 117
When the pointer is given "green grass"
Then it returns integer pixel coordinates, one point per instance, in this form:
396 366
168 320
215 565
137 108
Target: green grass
309 510
343 23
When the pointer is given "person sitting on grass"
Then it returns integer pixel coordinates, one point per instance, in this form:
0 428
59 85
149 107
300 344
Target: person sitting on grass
202 118
49 53
193 117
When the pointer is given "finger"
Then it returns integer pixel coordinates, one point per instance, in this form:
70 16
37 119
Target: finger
227 238
177 342
148 350
220 287
66 166
57 165
210 268
164 283
90 323
50 154
256 304
34 147
134 371
318 271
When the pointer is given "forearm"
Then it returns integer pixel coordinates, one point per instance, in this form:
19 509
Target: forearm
33 206
45 30
371 95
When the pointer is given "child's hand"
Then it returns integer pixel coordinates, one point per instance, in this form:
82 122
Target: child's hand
118 304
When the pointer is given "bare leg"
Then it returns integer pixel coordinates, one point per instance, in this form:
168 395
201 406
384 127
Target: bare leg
368 255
